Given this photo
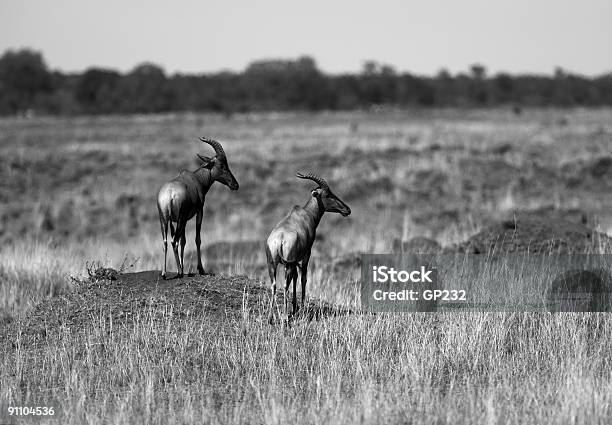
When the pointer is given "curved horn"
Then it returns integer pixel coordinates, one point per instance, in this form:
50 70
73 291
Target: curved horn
216 146
310 176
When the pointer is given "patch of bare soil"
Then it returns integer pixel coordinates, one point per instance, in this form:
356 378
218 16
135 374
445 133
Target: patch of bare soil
537 234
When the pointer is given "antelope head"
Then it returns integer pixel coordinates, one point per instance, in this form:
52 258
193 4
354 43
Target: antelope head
325 197
218 166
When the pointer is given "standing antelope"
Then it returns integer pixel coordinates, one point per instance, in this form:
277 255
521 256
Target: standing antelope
183 197
290 242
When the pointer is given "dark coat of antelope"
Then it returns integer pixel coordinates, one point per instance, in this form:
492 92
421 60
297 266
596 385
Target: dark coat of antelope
183 197
290 242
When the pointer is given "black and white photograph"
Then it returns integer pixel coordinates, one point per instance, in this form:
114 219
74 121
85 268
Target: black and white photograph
323 212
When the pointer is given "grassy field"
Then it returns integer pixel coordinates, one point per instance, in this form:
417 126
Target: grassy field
74 190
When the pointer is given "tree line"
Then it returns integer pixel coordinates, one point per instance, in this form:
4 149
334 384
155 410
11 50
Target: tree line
26 84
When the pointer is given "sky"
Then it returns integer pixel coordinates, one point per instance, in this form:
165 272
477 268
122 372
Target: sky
421 37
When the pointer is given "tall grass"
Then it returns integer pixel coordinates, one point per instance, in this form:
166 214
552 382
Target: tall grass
422 369
32 270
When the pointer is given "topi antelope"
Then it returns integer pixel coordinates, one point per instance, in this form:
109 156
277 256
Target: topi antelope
183 197
290 242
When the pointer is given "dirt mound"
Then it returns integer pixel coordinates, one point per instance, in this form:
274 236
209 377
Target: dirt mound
145 296
124 299
536 234
580 290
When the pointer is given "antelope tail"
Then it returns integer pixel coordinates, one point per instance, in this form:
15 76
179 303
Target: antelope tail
170 218
280 251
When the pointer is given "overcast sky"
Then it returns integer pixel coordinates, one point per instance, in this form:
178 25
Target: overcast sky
419 36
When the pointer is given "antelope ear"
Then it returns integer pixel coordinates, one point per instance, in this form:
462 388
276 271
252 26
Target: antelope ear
206 161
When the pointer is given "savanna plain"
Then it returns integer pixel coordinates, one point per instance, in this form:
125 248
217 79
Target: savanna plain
87 325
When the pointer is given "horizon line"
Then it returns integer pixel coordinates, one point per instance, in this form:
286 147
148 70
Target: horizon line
294 58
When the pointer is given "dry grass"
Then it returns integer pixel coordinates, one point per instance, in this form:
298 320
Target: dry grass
87 193
455 368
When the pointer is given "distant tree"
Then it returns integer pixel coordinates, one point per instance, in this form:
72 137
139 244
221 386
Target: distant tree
345 92
478 88
463 90
265 83
378 84
503 87
280 84
370 67
306 64
426 95
286 84
571 89
562 91
96 91
387 70
478 71
603 85
23 76
444 75
61 100
559 73
310 86
143 90
444 87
